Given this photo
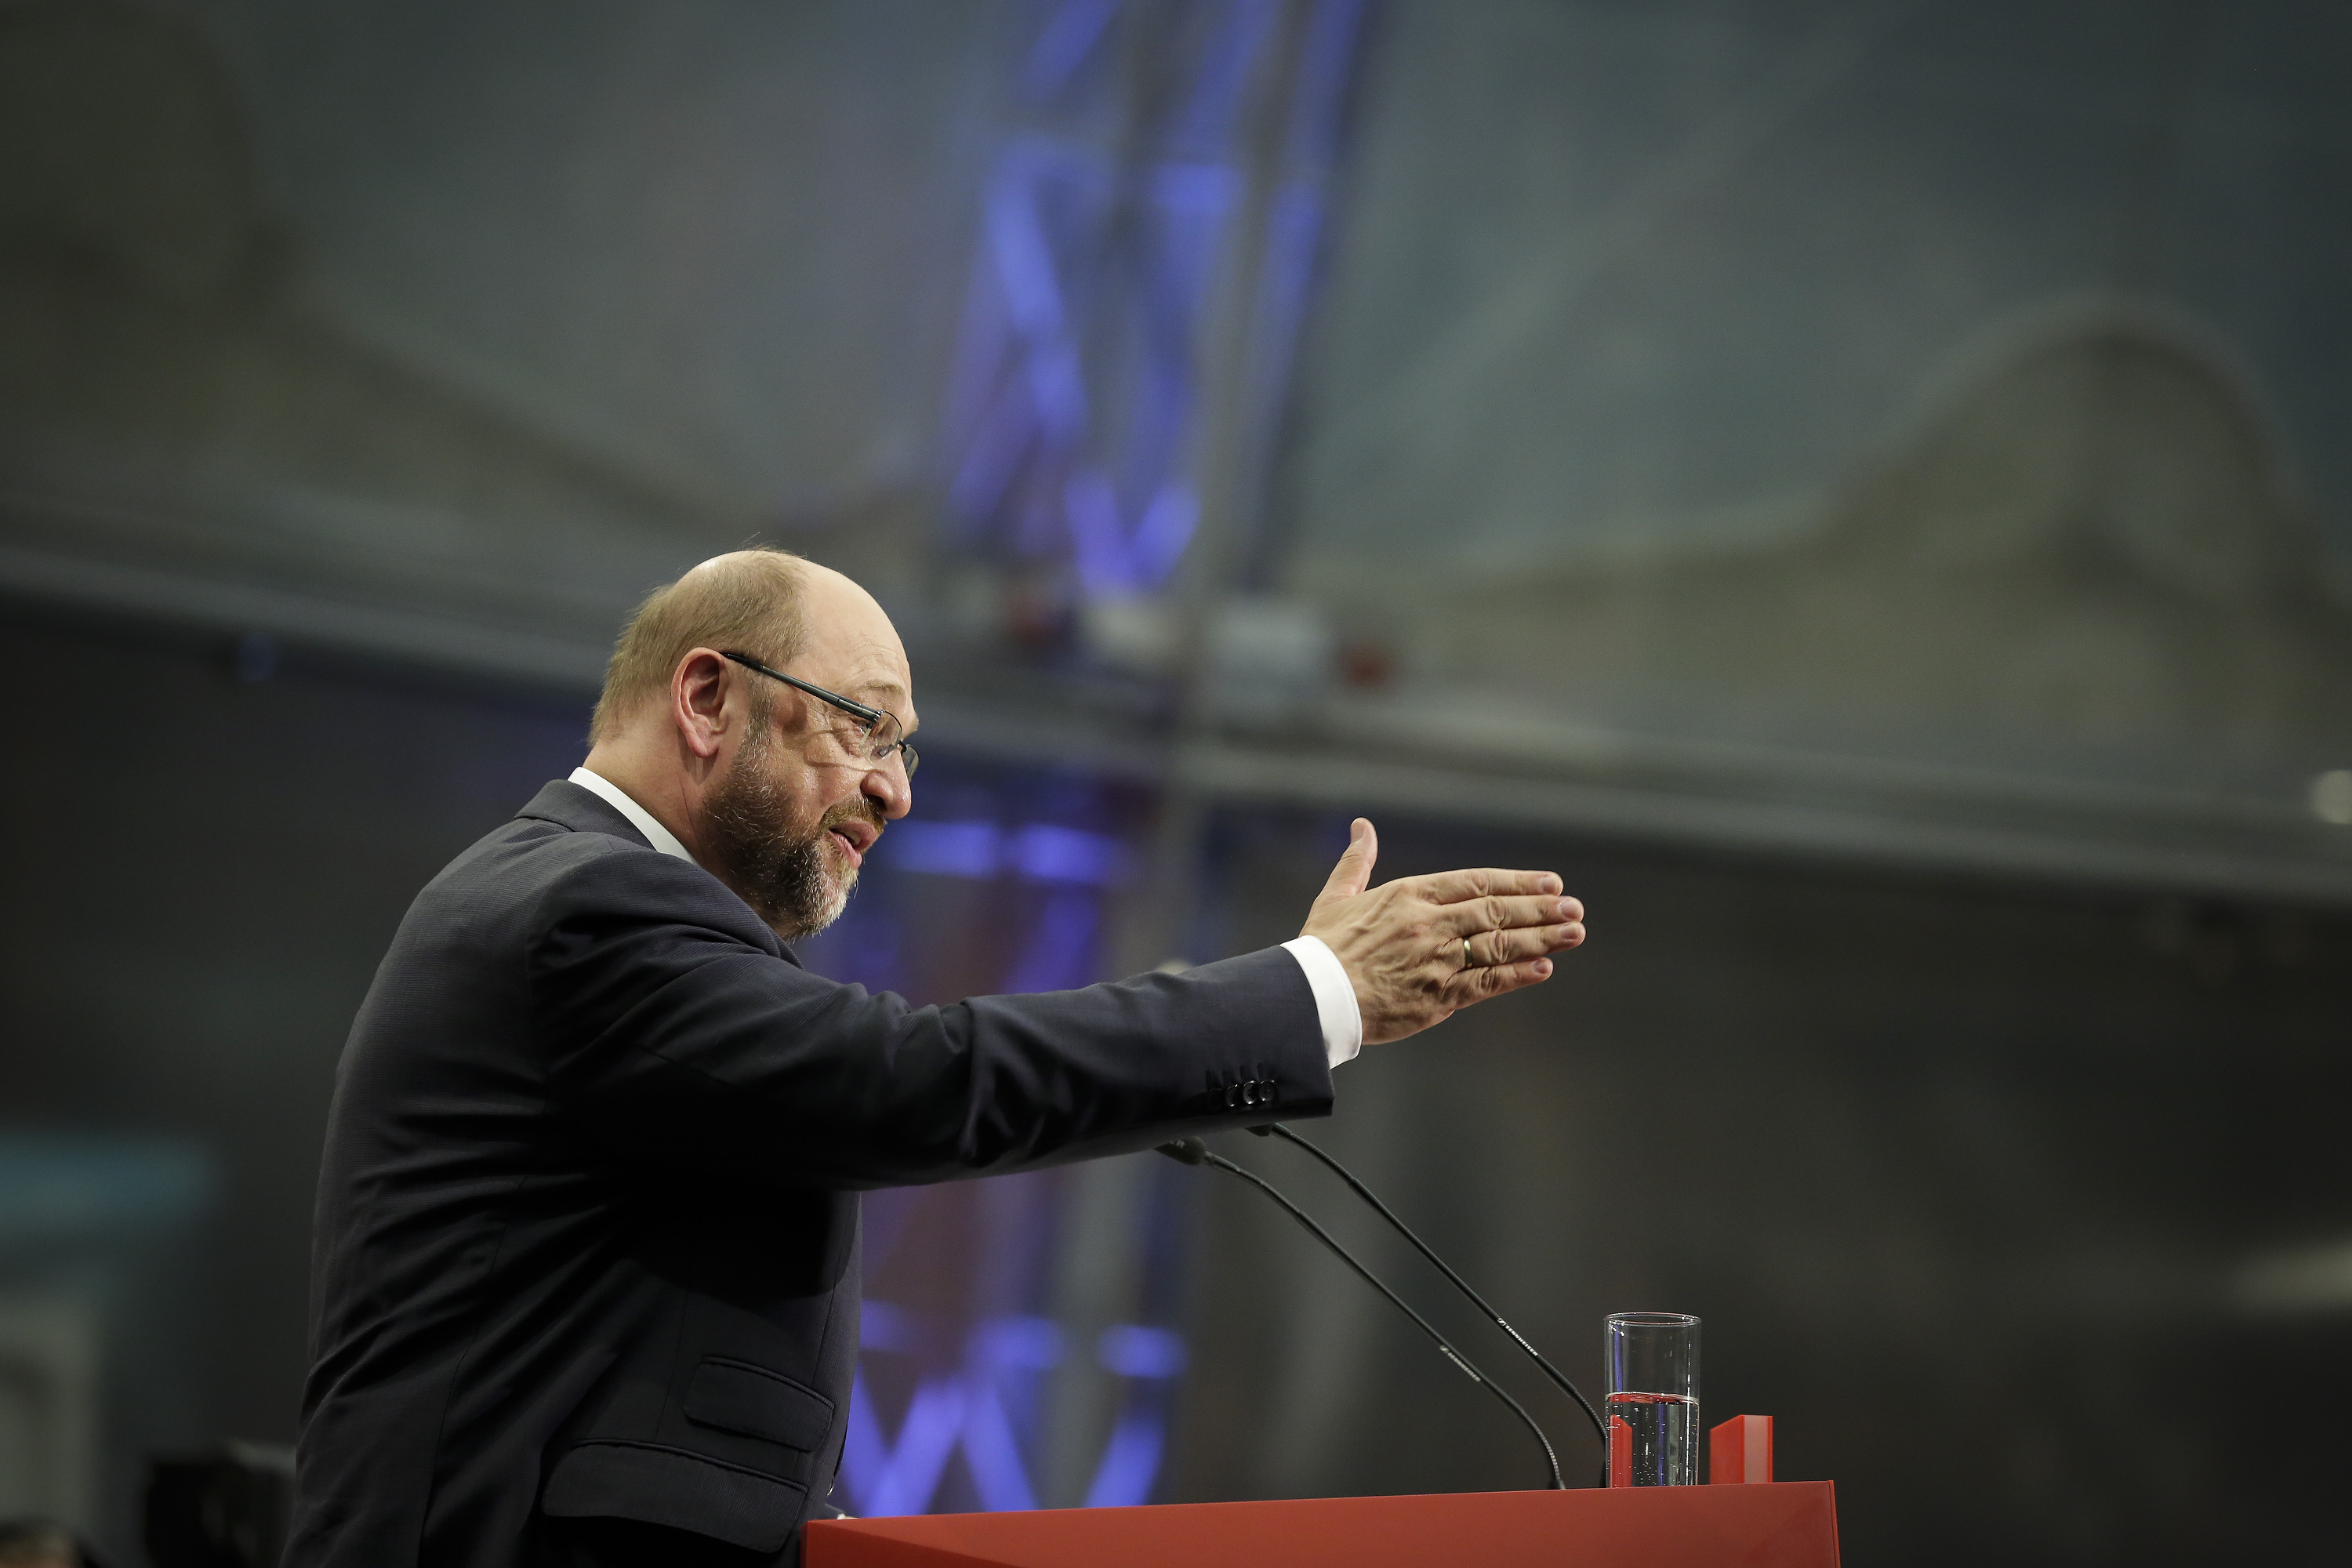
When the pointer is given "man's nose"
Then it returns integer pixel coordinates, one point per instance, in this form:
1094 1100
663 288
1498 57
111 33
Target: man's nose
889 787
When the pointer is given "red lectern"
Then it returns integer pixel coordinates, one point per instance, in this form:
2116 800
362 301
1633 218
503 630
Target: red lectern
1792 1524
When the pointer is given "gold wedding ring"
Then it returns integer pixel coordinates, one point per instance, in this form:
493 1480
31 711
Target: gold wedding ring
1465 953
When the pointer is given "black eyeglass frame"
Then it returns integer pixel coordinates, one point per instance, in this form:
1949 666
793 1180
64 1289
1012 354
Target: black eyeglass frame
875 718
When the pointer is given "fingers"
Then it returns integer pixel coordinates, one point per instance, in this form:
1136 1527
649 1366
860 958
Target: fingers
1353 874
1454 886
1476 915
1471 986
1506 947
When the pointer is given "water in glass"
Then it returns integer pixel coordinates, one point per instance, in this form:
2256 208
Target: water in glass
1664 1429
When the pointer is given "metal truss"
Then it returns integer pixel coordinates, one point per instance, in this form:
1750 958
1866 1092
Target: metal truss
1159 139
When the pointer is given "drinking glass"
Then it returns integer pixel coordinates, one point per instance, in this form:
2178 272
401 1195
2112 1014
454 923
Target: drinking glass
1653 1392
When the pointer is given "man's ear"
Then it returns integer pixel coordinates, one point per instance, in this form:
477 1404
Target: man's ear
698 700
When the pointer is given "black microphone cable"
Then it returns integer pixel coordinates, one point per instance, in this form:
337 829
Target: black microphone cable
1278 1130
1192 1152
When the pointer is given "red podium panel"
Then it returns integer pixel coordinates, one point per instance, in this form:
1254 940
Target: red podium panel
1792 1524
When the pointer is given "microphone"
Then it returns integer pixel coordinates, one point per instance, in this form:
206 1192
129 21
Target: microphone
1192 1152
1277 1129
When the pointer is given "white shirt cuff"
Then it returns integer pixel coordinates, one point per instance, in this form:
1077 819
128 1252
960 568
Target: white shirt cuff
1335 997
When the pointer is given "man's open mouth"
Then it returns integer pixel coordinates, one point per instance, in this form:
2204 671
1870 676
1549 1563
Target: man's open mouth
847 838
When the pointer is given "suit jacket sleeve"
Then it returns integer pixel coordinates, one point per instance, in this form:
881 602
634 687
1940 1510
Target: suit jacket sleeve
677 1030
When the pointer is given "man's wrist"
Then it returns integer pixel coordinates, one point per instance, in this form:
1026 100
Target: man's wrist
1335 997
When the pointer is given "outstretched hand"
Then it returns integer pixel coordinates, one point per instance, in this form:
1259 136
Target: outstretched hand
1402 942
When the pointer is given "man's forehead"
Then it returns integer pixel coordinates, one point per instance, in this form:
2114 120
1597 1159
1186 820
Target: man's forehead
877 671
853 636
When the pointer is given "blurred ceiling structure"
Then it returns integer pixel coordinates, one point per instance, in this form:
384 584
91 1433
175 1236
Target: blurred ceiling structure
1903 430
1888 432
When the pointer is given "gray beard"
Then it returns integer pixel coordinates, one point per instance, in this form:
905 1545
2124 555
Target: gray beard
779 870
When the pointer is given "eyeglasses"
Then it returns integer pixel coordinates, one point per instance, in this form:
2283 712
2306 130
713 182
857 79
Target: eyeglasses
881 733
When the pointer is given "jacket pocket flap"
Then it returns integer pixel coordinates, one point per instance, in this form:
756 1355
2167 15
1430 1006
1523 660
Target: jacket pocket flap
659 1485
736 1396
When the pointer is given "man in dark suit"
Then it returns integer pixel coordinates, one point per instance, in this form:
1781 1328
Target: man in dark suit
585 1274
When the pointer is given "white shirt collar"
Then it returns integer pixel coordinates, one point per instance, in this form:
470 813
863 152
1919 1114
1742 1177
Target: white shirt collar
644 820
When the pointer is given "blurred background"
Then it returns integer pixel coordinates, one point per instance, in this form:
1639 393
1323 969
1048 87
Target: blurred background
1858 487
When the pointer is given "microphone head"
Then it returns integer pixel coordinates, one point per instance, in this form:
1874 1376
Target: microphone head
1190 1151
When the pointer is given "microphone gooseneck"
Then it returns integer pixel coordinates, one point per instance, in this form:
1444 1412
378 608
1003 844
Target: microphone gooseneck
1192 1152
1278 1131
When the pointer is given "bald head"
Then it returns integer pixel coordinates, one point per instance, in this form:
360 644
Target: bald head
748 601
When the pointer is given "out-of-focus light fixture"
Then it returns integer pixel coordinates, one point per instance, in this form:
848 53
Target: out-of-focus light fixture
2331 796
2290 1281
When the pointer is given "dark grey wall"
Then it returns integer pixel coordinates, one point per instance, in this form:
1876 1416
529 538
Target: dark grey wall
197 876
1981 1190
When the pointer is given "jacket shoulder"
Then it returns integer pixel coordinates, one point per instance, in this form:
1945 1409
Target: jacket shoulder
610 881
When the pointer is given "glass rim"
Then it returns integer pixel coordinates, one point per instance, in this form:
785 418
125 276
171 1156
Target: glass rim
1653 1320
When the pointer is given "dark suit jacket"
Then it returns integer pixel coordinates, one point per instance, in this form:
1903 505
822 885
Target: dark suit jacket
586 1239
